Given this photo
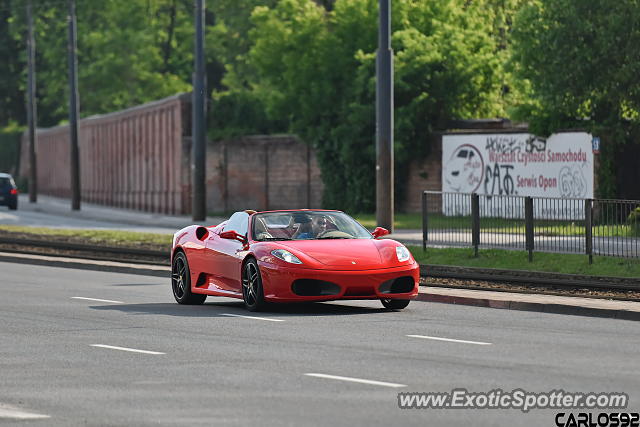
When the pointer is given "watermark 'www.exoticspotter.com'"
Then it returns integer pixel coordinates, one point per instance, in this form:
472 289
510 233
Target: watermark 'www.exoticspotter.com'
461 398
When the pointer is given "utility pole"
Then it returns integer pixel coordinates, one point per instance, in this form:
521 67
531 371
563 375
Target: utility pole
384 120
198 148
31 106
73 107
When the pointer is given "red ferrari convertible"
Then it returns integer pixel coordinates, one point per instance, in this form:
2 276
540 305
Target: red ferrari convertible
290 256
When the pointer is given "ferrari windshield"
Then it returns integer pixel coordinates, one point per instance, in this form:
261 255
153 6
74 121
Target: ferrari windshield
307 225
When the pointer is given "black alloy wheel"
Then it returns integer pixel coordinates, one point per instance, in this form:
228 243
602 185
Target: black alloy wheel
252 292
395 304
181 281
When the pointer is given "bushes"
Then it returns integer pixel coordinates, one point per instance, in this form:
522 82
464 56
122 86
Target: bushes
239 113
634 222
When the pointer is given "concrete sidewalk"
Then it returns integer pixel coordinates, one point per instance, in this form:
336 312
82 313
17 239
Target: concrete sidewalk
91 211
594 307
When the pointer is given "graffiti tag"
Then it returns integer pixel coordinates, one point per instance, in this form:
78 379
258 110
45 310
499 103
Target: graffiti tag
499 178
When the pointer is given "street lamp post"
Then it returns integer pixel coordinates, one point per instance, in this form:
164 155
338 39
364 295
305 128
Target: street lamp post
73 107
31 106
199 151
384 120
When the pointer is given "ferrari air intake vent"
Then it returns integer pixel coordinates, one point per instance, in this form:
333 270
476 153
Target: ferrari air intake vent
400 285
201 233
314 288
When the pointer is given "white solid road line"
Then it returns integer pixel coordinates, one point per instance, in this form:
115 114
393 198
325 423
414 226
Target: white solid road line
98 300
8 411
426 337
356 380
133 350
252 317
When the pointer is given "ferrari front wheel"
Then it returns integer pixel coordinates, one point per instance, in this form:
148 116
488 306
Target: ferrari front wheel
395 304
181 281
252 292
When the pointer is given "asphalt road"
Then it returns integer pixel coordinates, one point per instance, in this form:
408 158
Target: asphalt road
54 213
37 219
212 367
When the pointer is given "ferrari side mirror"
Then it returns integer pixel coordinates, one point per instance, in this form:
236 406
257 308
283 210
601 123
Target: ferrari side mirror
379 232
232 235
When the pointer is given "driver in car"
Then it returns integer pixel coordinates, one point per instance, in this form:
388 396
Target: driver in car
310 228
304 227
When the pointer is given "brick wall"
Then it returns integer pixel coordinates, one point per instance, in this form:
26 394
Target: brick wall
424 174
262 172
129 159
139 158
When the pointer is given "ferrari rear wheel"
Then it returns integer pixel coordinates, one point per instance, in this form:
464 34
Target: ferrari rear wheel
181 282
395 304
252 291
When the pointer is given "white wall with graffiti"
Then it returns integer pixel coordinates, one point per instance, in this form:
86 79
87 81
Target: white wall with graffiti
519 164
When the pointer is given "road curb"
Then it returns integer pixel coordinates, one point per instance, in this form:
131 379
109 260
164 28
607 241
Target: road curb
525 276
528 306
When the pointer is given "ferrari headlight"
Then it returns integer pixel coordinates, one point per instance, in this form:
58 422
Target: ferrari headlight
286 256
402 253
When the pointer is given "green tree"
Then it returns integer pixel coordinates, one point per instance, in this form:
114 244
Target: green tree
129 52
236 109
316 69
582 61
228 42
126 48
12 67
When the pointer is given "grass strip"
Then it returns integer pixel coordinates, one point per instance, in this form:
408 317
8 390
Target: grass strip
105 237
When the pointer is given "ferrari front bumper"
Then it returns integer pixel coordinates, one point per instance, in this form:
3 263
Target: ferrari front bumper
279 283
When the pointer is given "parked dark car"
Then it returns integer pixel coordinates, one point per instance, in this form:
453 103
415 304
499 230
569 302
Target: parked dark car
8 191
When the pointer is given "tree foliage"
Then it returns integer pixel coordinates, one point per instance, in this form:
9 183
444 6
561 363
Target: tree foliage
12 68
129 52
316 69
236 110
582 60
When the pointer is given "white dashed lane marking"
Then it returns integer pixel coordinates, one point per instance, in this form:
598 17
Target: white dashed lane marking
268 319
98 300
133 350
11 412
426 337
355 380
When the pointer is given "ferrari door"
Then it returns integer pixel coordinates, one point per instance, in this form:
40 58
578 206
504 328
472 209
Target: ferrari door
226 254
